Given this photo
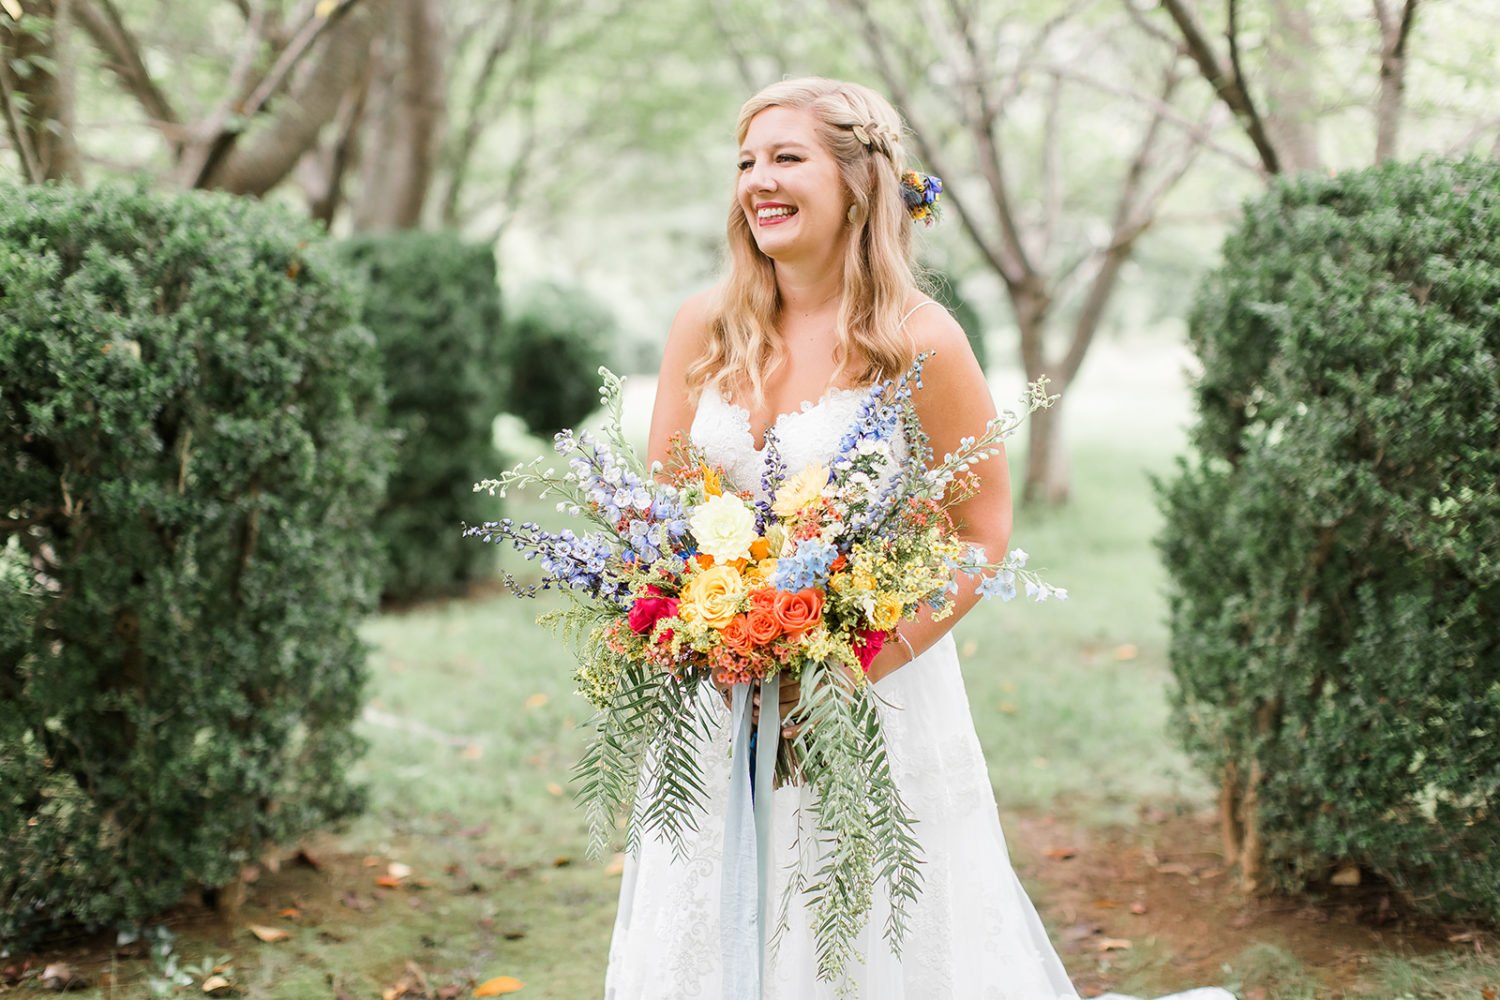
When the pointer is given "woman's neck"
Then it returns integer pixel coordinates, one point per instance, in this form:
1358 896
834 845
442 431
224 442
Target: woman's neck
808 289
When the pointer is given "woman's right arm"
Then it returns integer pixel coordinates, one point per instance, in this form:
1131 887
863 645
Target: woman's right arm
673 411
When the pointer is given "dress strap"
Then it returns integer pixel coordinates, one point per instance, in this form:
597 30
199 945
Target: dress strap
924 302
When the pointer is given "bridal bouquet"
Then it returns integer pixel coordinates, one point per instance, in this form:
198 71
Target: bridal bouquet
684 583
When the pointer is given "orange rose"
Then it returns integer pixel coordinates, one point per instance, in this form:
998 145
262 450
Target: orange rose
839 563
759 549
763 624
800 611
736 635
764 598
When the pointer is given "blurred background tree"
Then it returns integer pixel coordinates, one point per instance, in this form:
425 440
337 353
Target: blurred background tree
592 142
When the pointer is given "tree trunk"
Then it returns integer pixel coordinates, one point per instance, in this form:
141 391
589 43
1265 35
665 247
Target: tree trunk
1291 90
1048 475
408 122
42 133
1394 32
256 162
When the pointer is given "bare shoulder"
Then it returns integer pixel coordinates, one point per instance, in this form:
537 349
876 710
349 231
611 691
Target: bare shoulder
690 326
674 408
933 330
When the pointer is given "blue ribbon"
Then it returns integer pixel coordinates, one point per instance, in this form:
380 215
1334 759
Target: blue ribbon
747 842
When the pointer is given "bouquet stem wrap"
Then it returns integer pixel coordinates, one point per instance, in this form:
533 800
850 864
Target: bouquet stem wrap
747 842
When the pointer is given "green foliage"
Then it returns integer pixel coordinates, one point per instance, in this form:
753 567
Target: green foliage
552 346
434 307
189 452
1334 545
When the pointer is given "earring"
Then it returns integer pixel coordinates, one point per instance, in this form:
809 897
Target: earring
853 212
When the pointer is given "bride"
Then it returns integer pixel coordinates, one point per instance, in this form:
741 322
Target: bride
820 302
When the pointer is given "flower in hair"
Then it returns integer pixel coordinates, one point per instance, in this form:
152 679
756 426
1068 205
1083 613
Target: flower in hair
920 192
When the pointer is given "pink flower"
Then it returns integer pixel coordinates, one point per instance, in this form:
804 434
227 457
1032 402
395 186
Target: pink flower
867 645
647 611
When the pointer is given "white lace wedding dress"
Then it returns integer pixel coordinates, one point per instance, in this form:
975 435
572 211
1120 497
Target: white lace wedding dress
974 934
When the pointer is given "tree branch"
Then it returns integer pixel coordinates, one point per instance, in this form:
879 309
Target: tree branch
313 101
468 136
122 57
994 255
1125 228
983 125
1199 132
20 138
1225 80
1393 37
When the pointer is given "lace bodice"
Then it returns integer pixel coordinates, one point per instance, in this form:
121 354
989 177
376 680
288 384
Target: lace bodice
804 436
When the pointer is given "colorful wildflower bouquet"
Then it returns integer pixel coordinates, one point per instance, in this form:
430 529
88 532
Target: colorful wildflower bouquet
685 584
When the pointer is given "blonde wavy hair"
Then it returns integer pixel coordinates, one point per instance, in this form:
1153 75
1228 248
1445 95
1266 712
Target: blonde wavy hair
863 132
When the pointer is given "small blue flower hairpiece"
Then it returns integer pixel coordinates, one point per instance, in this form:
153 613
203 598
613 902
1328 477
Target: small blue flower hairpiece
920 192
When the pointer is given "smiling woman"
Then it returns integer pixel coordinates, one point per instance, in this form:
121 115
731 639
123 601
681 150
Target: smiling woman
770 369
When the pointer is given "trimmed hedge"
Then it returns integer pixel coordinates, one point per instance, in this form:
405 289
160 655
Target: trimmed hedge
434 306
553 346
190 449
1334 545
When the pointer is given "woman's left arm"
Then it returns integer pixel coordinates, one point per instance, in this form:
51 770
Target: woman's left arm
954 403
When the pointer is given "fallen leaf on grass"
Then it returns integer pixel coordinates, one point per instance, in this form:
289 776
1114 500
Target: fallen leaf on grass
397 870
60 976
388 881
1105 904
554 789
355 902
270 935
213 984
537 700
411 986
1138 908
1113 944
1175 868
499 986
561 861
291 913
1487 993
1347 875
1061 853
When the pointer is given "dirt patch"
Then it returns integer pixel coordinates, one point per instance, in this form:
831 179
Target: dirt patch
1165 882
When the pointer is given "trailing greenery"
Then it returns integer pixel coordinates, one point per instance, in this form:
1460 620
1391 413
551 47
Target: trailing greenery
553 336
190 449
434 306
1334 543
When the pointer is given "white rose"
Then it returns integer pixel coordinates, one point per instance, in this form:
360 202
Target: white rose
724 528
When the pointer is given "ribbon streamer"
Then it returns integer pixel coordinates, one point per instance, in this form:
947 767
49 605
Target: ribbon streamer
747 842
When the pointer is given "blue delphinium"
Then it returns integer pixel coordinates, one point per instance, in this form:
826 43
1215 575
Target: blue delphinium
807 566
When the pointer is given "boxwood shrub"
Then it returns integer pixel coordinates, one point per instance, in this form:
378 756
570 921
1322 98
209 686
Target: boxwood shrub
190 453
1333 542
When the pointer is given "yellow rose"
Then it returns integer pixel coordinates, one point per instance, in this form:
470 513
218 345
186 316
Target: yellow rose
724 528
800 490
714 595
887 611
761 572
